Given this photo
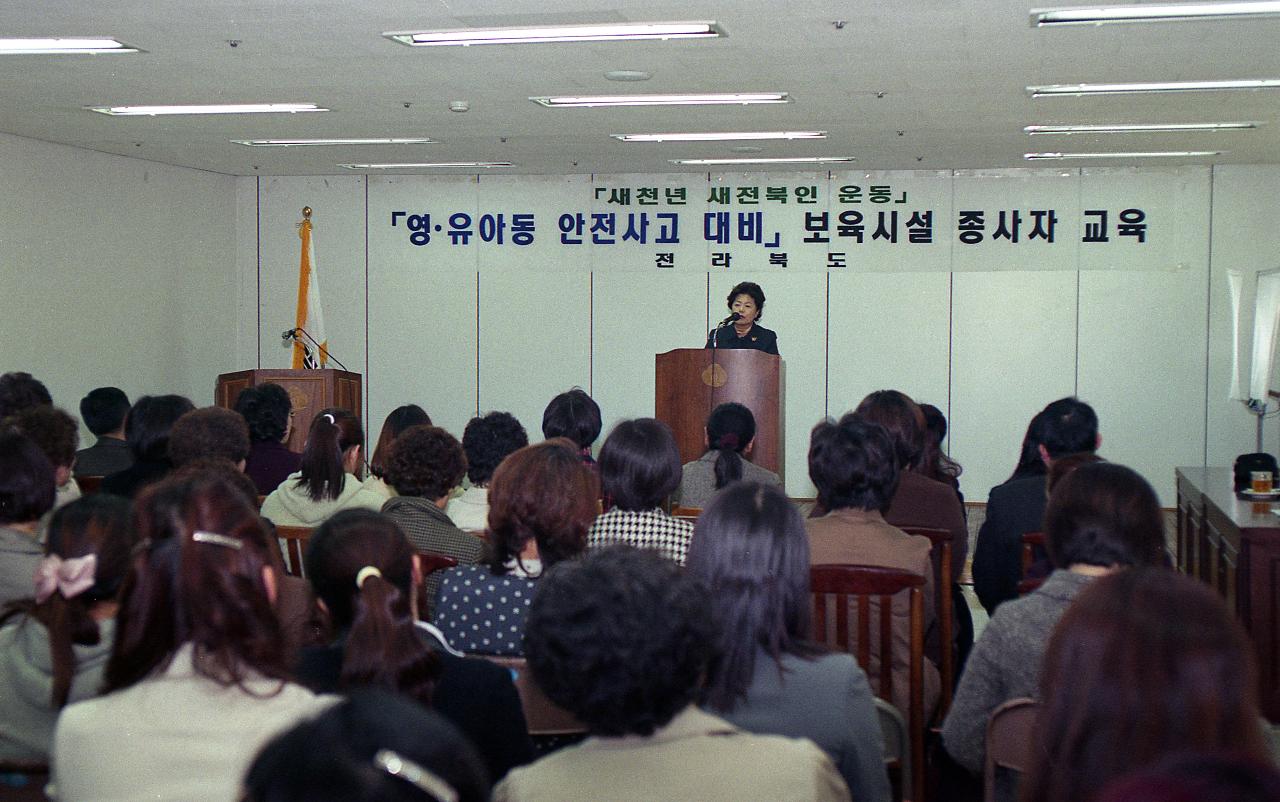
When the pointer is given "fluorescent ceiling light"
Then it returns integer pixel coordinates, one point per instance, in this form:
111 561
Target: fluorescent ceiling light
229 108
297 143
558 33
1055 90
727 136
728 99
764 160
1137 128
1170 154
1154 12
424 165
95 44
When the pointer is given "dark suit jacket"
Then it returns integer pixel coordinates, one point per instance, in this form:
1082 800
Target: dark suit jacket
758 337
128 482
1013 508
103 458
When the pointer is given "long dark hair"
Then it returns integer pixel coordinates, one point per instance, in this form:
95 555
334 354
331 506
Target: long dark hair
730 429
95 525
333 431
382 647
1030 463
934 463
751 550
397 421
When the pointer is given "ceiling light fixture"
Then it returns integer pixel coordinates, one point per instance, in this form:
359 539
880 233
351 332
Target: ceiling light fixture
1169 154
1137 128
1076 90
422 165
557 33
84 45
764 160
727 136
724 99
297 143
1155 12
227 108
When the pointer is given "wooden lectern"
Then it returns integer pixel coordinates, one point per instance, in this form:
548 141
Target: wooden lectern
309 390
690 382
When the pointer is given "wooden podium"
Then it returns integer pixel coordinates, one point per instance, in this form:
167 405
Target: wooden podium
690 382
309 390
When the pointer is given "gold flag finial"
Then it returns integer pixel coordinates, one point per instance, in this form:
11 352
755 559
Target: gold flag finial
306 212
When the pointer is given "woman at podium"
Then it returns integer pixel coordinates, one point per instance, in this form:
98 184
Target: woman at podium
746 306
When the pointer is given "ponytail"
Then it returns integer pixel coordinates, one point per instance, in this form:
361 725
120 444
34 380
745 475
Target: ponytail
730 429
383 647
728 467
333 431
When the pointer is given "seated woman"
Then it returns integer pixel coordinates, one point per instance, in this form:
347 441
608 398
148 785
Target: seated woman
366 576
268 411
329 479
146 430
54 647
1144 663
486 441
58 435
541 501
640 469
1101 517
751 551
575 415
401 418
730 436
27 487
197 678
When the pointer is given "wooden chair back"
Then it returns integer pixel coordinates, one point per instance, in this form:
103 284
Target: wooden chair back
542 716
23 781
1031 542
678 511
89 484
432 562
868 592
293 542
940 556
1009 736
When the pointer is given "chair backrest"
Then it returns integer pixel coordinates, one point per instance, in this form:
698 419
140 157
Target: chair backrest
1009 736
23 781
1030 542
678 511
940 556
293 542
897 747
868 591
542 716
431 563
89 484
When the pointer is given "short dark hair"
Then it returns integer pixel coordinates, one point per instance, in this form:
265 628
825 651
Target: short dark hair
620 638
27 483
1104 514
902 419
19 391
265 409
853 464
425 461
54 431
147 427
747 288
211 432
572 414
488 440
333 756
640 464
1070 427
730 428
103 409
399 419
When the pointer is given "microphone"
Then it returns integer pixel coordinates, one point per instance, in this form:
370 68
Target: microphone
291 334
730 319
328 353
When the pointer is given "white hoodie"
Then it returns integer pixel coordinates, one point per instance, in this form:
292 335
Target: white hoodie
289 504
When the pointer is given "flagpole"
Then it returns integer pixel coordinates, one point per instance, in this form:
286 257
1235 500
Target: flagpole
304 233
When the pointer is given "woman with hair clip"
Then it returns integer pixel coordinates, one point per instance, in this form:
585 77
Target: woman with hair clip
366 576
751 550
730 435
401 418
53 647
329 478
197 678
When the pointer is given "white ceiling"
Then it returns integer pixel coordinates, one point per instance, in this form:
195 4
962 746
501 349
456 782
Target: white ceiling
905 84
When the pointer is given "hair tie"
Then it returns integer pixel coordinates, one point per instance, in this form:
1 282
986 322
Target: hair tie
415 774
329 417
72 577
215 539
728 440
365 573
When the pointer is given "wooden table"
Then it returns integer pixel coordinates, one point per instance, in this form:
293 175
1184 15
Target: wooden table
1234 545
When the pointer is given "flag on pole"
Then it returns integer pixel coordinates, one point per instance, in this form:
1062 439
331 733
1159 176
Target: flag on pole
310 316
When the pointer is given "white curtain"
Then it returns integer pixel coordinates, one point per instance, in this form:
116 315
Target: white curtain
1266 321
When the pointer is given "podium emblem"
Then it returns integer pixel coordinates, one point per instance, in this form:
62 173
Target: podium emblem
714 376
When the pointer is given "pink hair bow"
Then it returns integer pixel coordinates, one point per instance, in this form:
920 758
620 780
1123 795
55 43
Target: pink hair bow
72 577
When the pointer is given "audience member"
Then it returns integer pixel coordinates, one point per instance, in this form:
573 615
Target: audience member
1100 518
197 676
730 436
27 490
19 391
934 462
401 418
486 441
1192 776
1144 663
380 642
147 431
1030 463
209 433
541 501
640 469
372 746
852 464
54 647
575 415
750 550
1067 426
57 434
103 411
328 479
622 640
268 412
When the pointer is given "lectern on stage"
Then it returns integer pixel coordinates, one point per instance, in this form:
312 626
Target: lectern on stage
690 382
309 390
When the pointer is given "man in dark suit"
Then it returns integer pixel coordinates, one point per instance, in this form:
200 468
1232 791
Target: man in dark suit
103 411
1017 506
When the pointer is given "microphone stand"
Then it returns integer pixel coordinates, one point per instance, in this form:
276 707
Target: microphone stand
320 349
